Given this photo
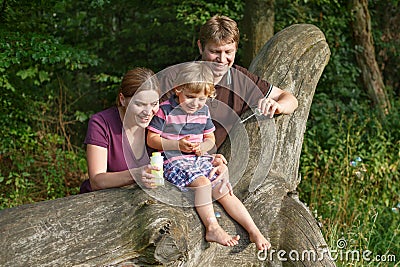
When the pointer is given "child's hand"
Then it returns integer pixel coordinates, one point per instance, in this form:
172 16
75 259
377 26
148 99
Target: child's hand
199 150
185 145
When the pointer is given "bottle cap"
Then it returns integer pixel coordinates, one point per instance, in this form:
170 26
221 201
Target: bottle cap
156 154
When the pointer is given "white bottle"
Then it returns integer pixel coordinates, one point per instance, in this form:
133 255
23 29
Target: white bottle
157 160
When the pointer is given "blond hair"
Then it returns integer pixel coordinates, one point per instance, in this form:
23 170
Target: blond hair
195 77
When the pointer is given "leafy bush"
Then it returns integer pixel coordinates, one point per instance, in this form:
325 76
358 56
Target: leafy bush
350 159
37 159
351 179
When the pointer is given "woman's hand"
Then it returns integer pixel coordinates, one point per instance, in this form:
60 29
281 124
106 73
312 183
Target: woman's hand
144 177
222 178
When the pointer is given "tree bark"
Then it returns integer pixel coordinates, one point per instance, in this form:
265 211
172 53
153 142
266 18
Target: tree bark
128 227
388 17
258 27
365 54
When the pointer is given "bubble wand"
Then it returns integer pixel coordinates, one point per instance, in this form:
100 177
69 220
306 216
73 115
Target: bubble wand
257 111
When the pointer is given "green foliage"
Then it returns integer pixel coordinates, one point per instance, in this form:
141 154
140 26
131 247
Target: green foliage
61 61
340 79
196 13
351 179
36 113
40 168
386 24
352 199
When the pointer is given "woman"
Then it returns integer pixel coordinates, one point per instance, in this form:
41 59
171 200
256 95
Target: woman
116 151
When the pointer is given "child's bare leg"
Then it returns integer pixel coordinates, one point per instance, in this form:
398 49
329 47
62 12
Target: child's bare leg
205 209
235 208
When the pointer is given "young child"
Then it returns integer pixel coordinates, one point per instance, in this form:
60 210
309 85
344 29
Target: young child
183 130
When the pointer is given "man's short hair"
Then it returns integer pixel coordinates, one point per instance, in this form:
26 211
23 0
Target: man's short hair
220 30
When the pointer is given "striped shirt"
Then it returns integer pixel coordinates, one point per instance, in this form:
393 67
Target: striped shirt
173 123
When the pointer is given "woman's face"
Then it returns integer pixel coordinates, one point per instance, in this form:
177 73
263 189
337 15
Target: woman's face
142 107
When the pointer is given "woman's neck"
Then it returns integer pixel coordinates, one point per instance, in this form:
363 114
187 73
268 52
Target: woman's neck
134 133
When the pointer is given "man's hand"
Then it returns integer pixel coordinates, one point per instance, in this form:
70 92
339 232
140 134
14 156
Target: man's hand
219 161
268 106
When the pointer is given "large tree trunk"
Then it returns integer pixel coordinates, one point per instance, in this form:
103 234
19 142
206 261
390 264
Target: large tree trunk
258 27
116 226
365 54
388 17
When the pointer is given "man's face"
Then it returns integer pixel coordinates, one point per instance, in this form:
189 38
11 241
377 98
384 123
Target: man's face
222 54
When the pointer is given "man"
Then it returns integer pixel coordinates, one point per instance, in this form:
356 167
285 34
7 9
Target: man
237 89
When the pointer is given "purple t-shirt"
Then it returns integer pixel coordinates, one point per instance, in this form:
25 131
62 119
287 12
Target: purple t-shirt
105 129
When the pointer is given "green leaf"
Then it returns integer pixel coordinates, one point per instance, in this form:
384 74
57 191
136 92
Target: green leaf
43 76
28 73
81 116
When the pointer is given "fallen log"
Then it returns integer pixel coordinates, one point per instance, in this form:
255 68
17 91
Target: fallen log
129 227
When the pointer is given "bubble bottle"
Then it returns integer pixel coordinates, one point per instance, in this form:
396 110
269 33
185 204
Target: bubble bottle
157 160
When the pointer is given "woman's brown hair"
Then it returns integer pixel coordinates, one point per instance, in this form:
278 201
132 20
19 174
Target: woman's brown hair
136 80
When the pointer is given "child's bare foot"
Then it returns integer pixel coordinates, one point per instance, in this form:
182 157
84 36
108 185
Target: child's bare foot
216 234
260 241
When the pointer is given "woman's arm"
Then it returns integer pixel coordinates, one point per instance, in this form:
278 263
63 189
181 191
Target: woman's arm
101 179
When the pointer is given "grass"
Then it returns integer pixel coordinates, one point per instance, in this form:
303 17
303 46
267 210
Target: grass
351 182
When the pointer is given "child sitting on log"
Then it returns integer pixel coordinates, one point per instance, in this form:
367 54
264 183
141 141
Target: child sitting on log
183 130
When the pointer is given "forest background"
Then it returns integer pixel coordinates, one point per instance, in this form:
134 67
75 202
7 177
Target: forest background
61 61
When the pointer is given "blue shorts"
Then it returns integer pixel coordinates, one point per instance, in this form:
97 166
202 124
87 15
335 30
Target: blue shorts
182 172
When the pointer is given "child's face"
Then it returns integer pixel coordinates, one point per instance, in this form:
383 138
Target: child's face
191 102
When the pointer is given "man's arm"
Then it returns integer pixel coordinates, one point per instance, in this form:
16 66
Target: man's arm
278 102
